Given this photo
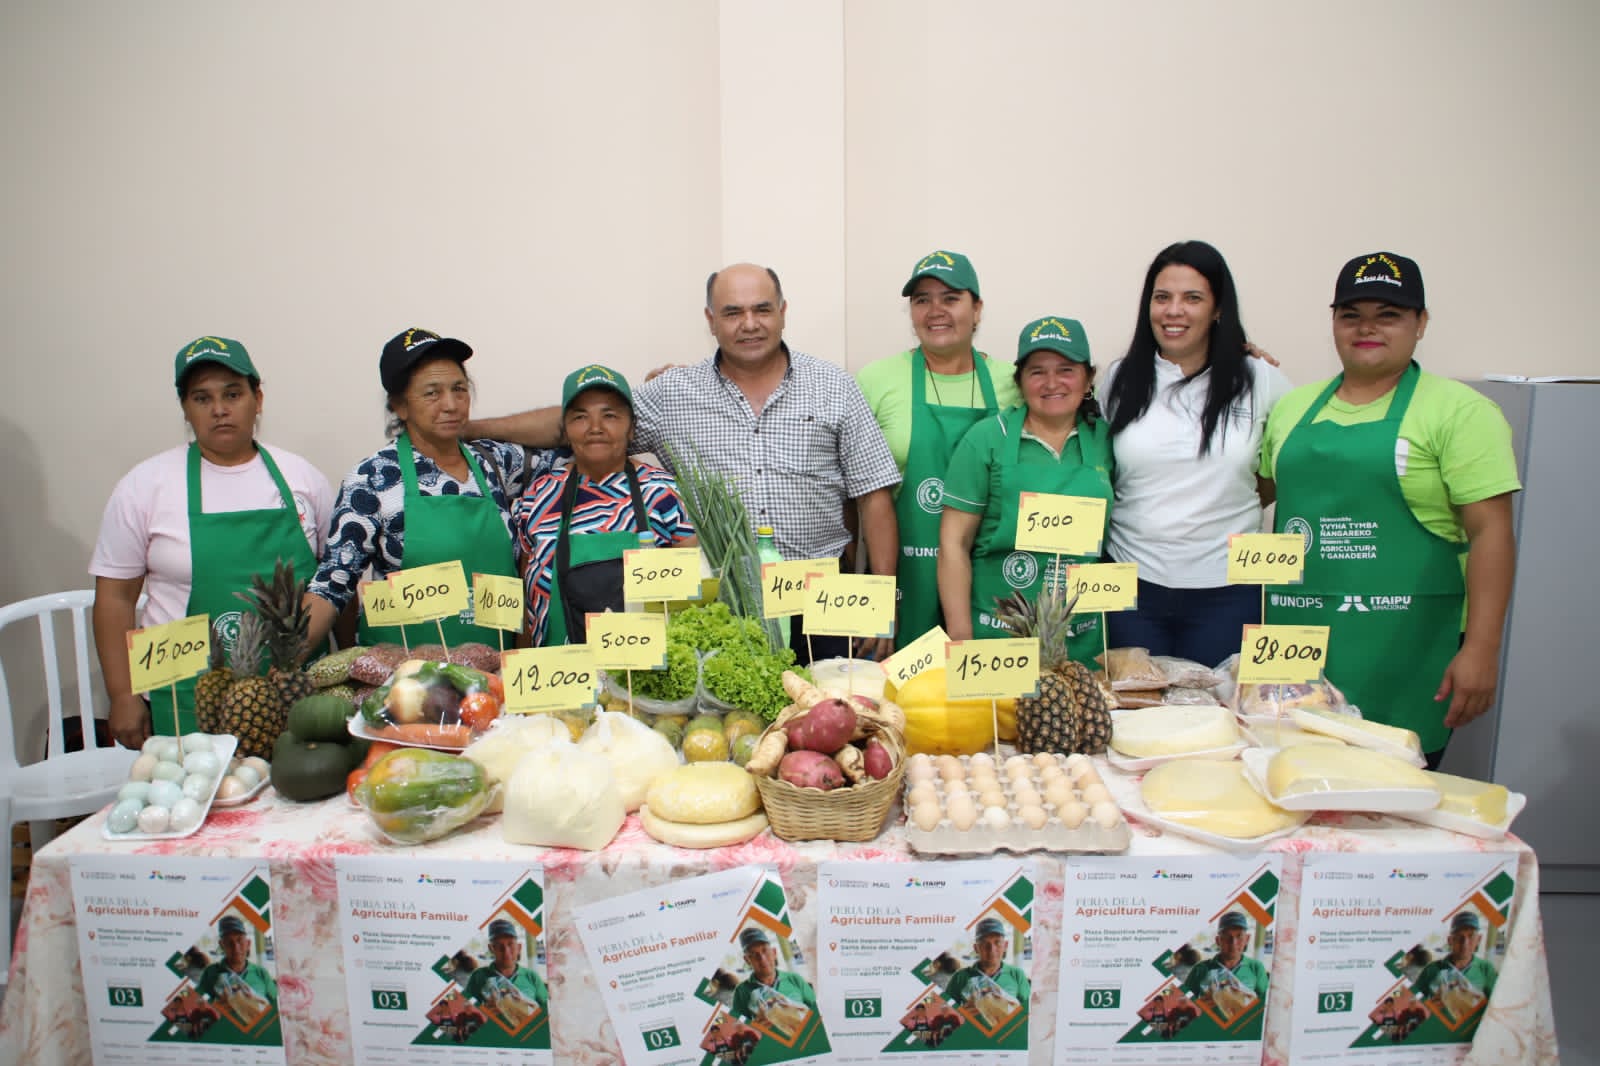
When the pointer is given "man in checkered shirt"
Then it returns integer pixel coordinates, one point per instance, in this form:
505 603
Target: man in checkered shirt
793 432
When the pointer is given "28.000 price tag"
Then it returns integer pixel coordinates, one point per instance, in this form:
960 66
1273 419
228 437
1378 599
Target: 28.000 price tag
549 679
163 655
997 669
1282 655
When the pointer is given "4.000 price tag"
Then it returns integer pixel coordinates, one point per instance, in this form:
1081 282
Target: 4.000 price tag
1065 525
1266 559
163 655
850 605
424 593
549 679
998 669
628 641
660 574
497 601
1104 586
921 654
1282 655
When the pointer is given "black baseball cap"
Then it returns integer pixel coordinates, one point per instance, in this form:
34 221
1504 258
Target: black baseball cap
1385 276
410 347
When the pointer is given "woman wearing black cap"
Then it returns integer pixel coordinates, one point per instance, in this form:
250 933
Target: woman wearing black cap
426 498
1392 475
191 526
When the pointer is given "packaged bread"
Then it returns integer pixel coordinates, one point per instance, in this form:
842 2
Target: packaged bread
1478 800
1186 673
1127 699
1184 696
1311 768
1156 731
1213 797
1132 668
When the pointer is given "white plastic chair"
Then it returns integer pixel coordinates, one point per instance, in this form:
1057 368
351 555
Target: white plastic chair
65 783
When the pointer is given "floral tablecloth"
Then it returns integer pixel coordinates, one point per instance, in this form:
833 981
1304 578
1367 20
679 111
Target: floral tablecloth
44 1022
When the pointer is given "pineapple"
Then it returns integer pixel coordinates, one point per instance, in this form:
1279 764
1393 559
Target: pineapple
281 605
1072 712
209 688
251 707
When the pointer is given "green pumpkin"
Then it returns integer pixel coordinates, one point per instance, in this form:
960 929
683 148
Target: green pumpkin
308 770
320 716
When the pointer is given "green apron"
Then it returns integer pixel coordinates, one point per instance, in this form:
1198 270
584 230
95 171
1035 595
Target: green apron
580 565
1389 589
999 569
226 550
935 429
439 529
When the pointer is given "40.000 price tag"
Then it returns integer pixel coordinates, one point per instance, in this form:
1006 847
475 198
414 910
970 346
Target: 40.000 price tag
1266 559
549 679
163 655
998 669
1282 655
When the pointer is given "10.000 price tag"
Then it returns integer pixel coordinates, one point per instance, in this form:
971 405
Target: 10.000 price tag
850 605
997 669
378 603
1282 655
163 655
549 679
497 601
628 641
1104 586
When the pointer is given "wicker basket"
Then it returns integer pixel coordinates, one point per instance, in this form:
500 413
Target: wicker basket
855 813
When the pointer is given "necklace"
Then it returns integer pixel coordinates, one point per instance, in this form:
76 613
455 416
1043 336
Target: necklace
972 385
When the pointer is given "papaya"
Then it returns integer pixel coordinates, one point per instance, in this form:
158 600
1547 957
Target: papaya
320 716
306 770
413 793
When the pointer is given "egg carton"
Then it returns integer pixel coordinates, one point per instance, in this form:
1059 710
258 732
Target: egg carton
1020 831
223 745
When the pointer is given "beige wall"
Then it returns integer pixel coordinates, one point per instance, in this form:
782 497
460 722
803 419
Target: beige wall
553 181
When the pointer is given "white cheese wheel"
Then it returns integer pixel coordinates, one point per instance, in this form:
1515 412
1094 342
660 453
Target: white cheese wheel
1213 796
704 793
1308 768
1151 731
858 677
1478 800
693 835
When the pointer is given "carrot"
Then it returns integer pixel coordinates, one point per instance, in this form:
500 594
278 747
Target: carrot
375 751
430 733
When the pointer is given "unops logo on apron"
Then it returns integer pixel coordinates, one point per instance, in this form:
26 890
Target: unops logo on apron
225 628
1301 526
1020 570
930 495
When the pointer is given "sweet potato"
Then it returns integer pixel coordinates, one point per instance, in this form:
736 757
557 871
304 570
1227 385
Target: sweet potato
826 727
850 761
806 696
811 769
878 760
769 752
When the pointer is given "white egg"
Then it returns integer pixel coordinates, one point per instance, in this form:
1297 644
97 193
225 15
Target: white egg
1076 762
186 814
922 793
197 787
1105 814
193 742
1093 794
917 773
167 771
1091 776
1043 759
247 776
950 768
261 766
134 790
202 762
165 748
152 745
124 817
983 759
1052 773
1016 762
1033 816
164 793
1072 813
925 816
144 767
996 818
154 819
230 787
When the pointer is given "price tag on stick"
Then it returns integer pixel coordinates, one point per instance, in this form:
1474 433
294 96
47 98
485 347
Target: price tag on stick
783 585
850 605
1282 655
1064 525
660 574
632 640
1266 559
425 593
998 669
1104 586
549 679
497 601
163 655
380 605
921 654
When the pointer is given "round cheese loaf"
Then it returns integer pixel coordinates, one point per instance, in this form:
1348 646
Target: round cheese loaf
1151 731
704 793
691 835
1213 796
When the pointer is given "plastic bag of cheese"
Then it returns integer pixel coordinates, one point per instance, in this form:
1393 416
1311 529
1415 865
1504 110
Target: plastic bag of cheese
1149 732
561 796
1214 797
637 754
1314 768
1347 724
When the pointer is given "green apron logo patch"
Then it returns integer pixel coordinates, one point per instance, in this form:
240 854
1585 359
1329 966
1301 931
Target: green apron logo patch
1301 526
1020 570
930 495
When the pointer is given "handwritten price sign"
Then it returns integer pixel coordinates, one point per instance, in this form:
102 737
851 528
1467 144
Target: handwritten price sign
163 655
380 606
783 585
424 593
1104 586
992 669
1282 655
628 641
660 574
850 605
497 601
1266 559
916 657
549 679
1066 525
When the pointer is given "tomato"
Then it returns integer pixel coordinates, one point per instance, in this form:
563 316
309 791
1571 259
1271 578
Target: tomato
355 777
479 710
377 750
497 687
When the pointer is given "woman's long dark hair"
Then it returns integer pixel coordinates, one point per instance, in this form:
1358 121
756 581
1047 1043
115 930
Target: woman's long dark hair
1231 377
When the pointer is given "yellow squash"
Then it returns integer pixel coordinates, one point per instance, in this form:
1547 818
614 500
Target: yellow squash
936 725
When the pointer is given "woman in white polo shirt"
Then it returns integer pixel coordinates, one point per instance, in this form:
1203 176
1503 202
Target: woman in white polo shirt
1187 406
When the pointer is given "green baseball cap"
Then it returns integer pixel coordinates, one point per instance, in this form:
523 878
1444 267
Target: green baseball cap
952 268
221 350
990 927
1233 920
753 936
1466 920
1064 336
594 376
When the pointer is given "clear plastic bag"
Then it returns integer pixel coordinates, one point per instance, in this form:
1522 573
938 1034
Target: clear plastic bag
615 687
1186 673
1261 700
414 795
442 705
1132 668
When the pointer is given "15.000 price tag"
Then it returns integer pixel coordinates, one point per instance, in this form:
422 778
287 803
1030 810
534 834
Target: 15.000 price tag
1282 655
628 641
1266 559
1104 586
997 669
549 679
163 655
850 605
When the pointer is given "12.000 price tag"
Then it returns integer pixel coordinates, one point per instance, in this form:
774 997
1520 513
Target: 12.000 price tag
628 641
424 593
1104 586
1065 525
497 601
850 605
163 655
998 669
1282 655
549 679
650 574
1266 559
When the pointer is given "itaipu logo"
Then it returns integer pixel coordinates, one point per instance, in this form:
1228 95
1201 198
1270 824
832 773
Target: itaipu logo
1392 278
1398 874
1020 570
1301 526
930 495
157 875
917 882
1164 875
674 904
427 879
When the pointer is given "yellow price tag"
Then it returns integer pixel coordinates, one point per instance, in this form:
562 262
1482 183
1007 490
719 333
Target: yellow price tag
850 605
497 601
997 669
424 593
1065 525
1266 559
549 679
660 574
783 585
1104 586
916 657
380 606
163 655
631 640
1282 655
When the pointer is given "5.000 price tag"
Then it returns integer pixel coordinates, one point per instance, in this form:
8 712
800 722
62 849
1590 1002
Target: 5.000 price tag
497 601
163 655
783 585
1066 525
997 669
549 679
1104 586
921 654
850 605
1282 655
628 641
660 574
1266 559
424 593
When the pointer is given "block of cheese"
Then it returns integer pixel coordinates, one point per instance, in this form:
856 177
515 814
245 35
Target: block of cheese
1282 733
1311 768
1213 796
1152 731
1478 800
691 835
1349 727
703 793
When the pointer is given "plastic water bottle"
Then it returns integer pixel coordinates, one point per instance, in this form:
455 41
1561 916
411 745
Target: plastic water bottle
767 552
